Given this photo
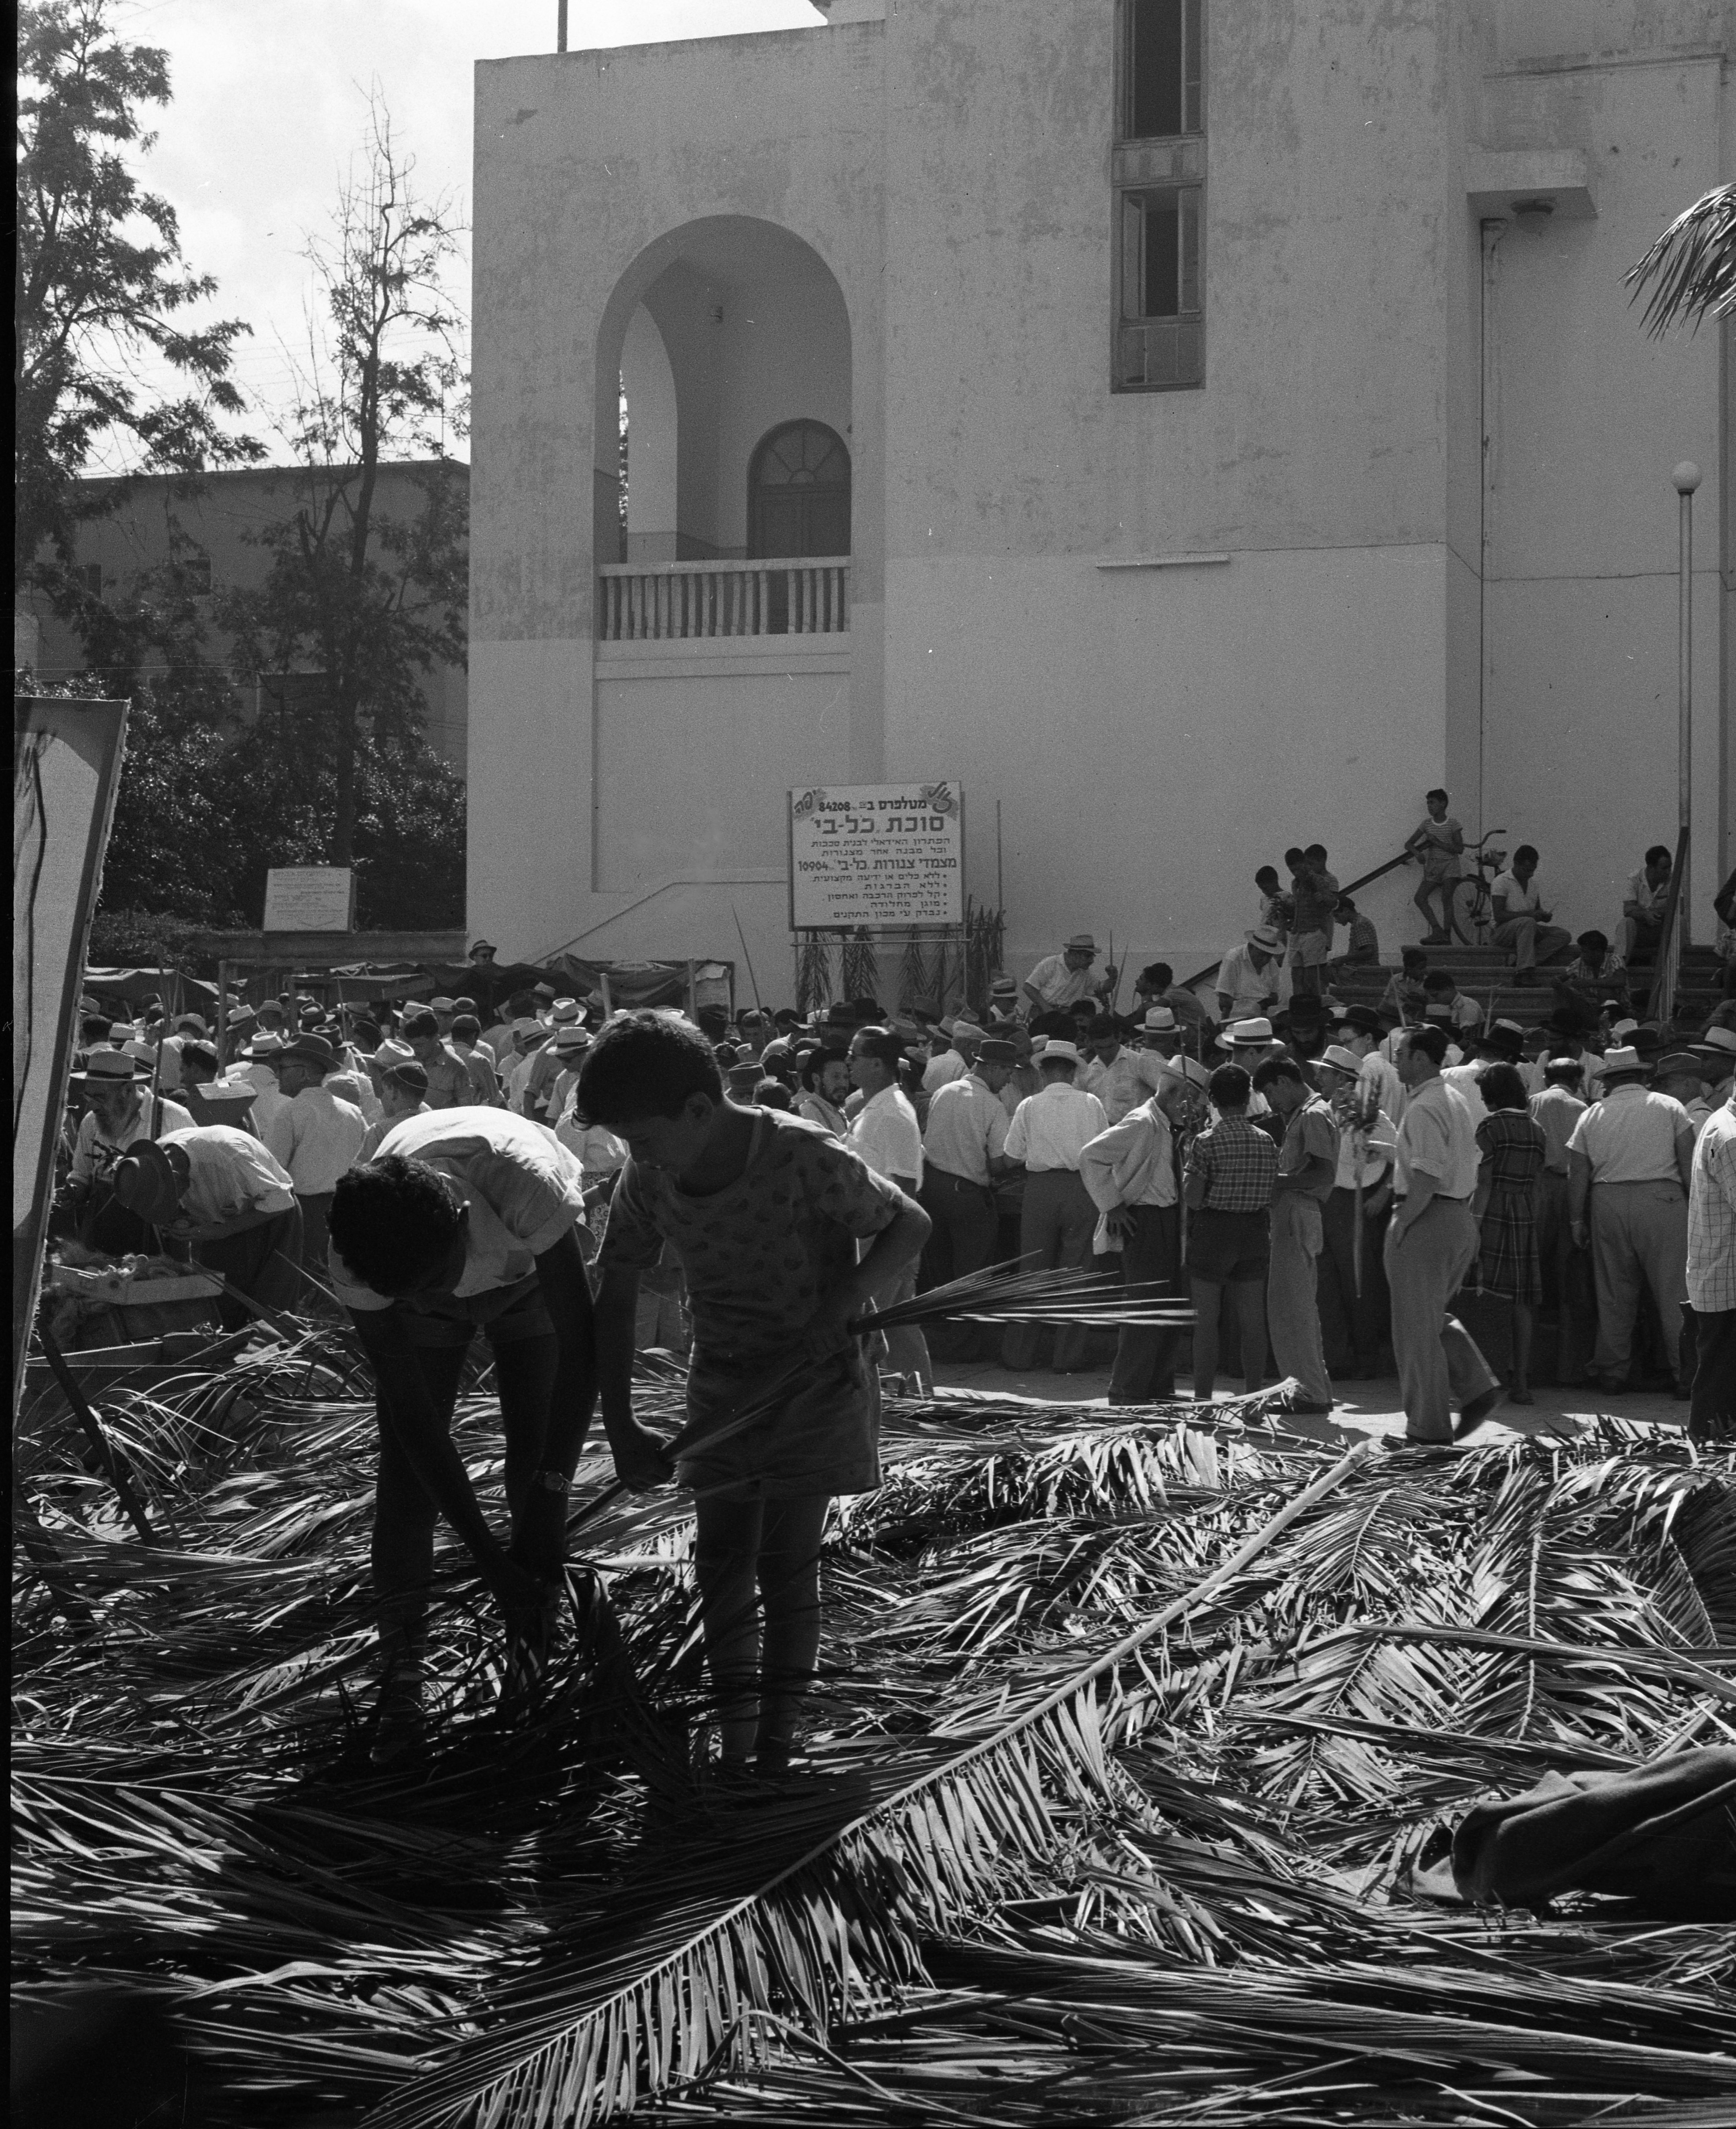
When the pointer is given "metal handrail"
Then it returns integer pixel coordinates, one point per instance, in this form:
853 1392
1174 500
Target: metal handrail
1661 1003
1351 887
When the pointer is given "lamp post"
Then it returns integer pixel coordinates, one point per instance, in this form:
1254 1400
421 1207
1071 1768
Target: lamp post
1687 478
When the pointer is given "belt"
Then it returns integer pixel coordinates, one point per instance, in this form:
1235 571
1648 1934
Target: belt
952 1175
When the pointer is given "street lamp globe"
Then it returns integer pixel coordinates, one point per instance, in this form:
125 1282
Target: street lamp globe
1686 476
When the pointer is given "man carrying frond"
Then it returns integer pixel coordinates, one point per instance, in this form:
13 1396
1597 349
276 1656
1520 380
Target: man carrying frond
765 1212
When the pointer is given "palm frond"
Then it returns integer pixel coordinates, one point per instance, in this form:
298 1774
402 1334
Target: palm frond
1691 270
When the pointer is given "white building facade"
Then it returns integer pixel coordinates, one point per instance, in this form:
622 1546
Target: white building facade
1197 428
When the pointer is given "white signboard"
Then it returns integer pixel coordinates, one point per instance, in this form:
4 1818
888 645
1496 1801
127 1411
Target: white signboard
309 898
877 854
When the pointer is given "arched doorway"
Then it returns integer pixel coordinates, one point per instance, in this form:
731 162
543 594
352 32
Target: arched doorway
799 493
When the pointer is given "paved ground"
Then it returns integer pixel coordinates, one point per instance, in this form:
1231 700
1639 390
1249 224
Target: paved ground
1366 1408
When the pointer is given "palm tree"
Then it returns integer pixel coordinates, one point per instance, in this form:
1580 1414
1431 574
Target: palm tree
1691 270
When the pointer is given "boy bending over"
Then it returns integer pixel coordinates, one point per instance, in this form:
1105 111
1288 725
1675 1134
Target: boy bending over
764 1212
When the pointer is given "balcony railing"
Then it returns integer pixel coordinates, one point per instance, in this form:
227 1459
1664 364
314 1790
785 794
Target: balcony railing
639 603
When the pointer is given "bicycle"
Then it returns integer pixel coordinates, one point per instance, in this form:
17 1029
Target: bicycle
1473 905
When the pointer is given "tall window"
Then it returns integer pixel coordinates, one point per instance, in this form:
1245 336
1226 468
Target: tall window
799 493
1160 182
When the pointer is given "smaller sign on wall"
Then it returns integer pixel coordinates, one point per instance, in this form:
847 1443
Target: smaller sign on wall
310 898
879 855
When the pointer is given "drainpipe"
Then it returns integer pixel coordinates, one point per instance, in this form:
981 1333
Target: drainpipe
1493 228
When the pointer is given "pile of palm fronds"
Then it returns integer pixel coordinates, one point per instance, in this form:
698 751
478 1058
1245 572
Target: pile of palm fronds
1128 1732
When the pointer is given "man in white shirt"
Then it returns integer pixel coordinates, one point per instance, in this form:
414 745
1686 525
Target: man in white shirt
964 1151
1644 905
885 1132
953 1062
1358 1031
119 1112
1247 976
1629 1165
221 1190
315 1136
1712 1278
1521 922
1431 1245
1061 979
1048 1134
1567 1268
1119 1077
1132 1172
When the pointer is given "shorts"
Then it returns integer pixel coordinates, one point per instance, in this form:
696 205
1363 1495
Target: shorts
823 1437
1441 872
1228 1249
1311 949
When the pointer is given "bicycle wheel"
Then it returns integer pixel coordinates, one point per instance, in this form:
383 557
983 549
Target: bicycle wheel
1470 911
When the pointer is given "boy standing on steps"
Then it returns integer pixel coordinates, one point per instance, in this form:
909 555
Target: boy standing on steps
764 1212
1438 843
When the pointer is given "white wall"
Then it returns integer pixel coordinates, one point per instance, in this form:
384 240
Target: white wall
654 432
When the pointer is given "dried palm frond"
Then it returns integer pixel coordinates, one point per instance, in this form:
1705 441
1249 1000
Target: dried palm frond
1691 270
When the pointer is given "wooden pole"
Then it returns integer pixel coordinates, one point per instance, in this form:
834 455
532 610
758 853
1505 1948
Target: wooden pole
222 1015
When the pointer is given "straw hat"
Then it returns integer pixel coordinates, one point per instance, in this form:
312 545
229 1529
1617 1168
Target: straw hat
1081 942
1247 1035
1160 1020
1341 1060
570 1038
1266 937
1054 1049
1623 1062
1189 1069
111 1068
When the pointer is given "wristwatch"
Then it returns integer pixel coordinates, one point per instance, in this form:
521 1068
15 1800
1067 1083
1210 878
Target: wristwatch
552 1482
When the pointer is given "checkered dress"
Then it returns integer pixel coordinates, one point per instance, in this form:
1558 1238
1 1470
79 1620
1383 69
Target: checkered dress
1513 1145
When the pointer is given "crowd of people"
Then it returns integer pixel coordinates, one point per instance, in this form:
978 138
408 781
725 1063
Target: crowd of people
1320 1180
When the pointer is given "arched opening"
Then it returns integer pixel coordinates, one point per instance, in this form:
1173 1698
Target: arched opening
799 493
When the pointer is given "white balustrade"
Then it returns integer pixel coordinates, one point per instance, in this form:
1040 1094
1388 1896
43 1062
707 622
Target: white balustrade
640 601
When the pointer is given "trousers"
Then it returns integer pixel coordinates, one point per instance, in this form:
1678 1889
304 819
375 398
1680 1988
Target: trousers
1566 1271
1353 1325
1529 942
1292 1296
1639 1236
1145 1359
264 1262
1056 1224
1439 1365
966 1222
316 1229
1712 1395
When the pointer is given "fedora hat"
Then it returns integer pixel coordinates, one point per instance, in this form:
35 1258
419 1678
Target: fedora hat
1160 1020
308 1048
1341 1060
1246 1034
194 1021
1189 1069
1054 1048
484 946
263 1049
391 1053
1623 1062
996 1050
147 1182
406 1073
565 1010
1003 986
1363 1018
572 1035
442 1005
1266 937
111 1068
1081 942
1717 1045
1677 1064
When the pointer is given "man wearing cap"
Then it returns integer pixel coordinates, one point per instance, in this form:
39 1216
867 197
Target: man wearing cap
222 1191
1247 976
1048 1134
1629 1165
315 1136
1132 1172
1059 980
963 1152
1353 1325
1711 1276
1307 1166
1358 1030
118 1113
1431 1247
1119 1077
1521 922
403 1092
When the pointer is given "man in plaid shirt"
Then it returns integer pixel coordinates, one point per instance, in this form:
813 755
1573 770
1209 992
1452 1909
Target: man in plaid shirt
1232 1169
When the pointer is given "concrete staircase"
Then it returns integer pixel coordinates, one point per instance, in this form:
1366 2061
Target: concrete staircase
1486 972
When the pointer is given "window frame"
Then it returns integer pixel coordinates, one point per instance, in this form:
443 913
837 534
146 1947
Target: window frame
1140 166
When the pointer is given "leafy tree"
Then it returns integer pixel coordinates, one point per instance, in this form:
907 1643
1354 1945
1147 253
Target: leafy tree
369 602
1691 270
100 283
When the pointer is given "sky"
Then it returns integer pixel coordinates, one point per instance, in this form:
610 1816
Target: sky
270 103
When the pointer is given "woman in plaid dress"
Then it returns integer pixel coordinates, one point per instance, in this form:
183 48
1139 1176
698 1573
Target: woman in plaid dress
1512 1145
